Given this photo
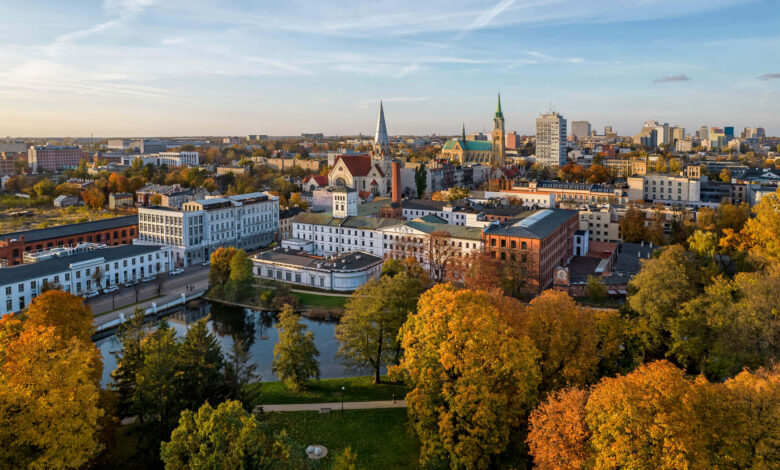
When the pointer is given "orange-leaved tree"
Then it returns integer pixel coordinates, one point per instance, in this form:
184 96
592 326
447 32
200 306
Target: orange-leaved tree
558 434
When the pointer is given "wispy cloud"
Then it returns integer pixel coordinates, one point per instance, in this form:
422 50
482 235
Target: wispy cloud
172 41
120 11
770 76
672 78
486 17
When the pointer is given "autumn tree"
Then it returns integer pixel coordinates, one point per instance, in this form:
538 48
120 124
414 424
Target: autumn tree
595 289
64 312
725 175
642 420
94 198
368 331
472 377
118 183
761 234
567 337
226 437
295 355
558 436
44 187
632 225
49 413
598 174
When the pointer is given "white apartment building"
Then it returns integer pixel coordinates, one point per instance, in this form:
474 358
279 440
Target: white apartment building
664 188
76 273
551 140
416 208
174 159
247 221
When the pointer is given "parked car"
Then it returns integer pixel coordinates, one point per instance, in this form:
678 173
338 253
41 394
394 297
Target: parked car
130 283
110 289
176 272
91 294
205 263
148 279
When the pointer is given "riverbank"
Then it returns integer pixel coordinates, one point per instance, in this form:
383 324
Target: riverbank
360 388
314 305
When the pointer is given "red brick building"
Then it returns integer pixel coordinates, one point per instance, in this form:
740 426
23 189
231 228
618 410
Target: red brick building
113 232
537 241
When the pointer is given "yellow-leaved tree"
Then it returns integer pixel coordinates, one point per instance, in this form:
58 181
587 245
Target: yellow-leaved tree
49 413
473 376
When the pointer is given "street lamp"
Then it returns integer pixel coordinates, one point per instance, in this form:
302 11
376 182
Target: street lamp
342 398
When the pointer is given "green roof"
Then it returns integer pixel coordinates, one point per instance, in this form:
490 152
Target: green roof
455 231
469 145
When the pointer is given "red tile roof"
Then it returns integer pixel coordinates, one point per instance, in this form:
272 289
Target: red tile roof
357 165
379 170
322 180
373 183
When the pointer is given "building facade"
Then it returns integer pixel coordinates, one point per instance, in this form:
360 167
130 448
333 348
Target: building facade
580 129
551 140
535 244
54 157
113 232
664 188
247 221
342 272
80 273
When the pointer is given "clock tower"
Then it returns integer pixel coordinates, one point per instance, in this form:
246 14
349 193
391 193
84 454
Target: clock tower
498 136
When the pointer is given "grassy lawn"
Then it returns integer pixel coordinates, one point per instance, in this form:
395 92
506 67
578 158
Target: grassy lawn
379 437
51 216
315 300
355 389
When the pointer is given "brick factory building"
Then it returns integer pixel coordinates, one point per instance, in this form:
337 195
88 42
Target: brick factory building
538 242
113 232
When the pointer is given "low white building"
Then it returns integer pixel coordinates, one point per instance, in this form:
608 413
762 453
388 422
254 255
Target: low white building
246 221
76 273
342 272
452 213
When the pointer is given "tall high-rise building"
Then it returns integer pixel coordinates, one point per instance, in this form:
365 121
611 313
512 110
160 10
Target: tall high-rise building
663 133
551 139
677 134
704 133
728 131
499 144
580 129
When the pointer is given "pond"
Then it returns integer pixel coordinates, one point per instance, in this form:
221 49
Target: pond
257 328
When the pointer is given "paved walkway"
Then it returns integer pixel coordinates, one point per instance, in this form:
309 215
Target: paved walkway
325 294
334 406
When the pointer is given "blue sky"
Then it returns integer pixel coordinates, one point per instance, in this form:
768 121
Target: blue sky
196 67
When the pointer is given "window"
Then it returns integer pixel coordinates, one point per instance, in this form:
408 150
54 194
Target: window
78 274
67 276
524 245
8 290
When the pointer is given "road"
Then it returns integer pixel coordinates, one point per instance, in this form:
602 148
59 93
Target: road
349 405
172 287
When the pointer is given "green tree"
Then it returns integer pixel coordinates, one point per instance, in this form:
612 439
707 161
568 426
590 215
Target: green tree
421 179
659 290
201 367
129 360
240 372
219 270
347 459
240 281
227 437
295 354
156 394
368 331
595 289
703 243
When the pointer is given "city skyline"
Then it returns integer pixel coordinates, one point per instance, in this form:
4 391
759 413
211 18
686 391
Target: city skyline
162 68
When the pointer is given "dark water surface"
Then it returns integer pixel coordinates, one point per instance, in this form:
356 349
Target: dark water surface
258 328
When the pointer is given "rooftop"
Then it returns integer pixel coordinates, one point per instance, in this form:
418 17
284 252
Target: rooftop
343 262
533 224
72 229
25 272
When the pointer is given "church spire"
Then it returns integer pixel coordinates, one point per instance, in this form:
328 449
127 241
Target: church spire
463 132
381 143
498 109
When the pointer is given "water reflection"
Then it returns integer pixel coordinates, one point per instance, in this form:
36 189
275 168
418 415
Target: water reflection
258 329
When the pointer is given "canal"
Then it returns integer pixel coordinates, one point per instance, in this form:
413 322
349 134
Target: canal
230 324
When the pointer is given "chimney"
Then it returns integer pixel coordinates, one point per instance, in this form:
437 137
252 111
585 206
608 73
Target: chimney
396 181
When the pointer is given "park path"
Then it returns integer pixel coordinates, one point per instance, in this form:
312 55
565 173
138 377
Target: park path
334 406
326 294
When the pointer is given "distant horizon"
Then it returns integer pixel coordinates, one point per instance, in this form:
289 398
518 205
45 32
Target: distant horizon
175 68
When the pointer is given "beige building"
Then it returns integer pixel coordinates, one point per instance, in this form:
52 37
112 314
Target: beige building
625 167
665 188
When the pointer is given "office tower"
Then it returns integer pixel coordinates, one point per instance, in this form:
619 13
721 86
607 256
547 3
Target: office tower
728 131
580 129
677 134
663 133
704 133
551 139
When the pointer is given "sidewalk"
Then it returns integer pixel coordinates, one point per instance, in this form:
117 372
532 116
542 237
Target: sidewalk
349 405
